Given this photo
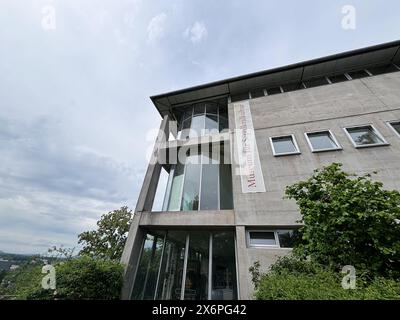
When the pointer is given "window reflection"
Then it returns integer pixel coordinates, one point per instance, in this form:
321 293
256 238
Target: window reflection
162 263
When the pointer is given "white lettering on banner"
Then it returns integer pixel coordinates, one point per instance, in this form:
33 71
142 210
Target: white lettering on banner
249 161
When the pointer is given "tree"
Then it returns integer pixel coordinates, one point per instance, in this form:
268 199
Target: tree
107 242
348 220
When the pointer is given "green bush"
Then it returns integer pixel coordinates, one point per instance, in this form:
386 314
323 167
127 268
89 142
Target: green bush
88 278
81 278
22 282
295 279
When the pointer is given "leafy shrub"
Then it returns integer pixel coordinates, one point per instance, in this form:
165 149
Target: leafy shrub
88 278
22 282
349 220
81 278
294 279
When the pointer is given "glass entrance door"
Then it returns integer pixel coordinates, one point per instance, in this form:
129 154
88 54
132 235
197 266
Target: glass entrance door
187 265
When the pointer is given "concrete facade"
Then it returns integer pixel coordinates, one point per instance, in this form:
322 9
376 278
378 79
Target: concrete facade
371 100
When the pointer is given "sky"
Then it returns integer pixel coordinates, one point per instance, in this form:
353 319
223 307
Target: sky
75 81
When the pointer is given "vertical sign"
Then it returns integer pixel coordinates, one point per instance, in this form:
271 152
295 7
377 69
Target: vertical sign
248 159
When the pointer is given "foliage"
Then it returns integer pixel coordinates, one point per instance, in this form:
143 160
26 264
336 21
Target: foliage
295 279
81 278
60 253
22 282
255 274
88 278
2 274
348 220
107 242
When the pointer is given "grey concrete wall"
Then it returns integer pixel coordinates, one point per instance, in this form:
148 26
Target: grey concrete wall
372 100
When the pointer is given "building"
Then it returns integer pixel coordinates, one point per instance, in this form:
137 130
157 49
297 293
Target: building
221 216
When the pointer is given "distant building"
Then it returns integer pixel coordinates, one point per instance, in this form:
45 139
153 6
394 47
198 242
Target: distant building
223 206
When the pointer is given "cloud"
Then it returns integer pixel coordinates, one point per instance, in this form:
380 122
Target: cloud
156 27
196 33
50 190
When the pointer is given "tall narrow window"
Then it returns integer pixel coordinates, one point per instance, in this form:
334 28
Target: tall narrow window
191 186
365 136
284 145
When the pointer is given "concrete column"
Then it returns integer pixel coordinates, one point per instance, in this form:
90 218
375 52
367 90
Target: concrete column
134 241
242 263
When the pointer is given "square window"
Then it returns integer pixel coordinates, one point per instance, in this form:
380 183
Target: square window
284 145
365 136
395 125
322 141
292 87
261 238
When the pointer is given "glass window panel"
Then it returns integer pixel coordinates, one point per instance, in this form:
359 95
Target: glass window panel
274 90
146 277
322 140
212 108
223 118
284 145
190 195
196 284
396 126
225 185
256 93
199 108
316 82
185 128
364 135
197 126
209 184
170 283
358 74
382 69
223 267
176 188
338 78
211 124
262 238
287 238
292 87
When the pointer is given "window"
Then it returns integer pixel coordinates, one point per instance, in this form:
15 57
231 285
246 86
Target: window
240 97
322 141
284 145
338 78
256 93
262 238
186 265
292 87
365 136
395 125
382 69
200 181
202 119
271 238
358 74
274 90
315 82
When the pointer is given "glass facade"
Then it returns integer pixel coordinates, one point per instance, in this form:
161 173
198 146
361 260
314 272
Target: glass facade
186 265
201 181
202 119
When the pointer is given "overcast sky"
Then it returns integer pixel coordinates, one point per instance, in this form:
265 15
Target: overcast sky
74 90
